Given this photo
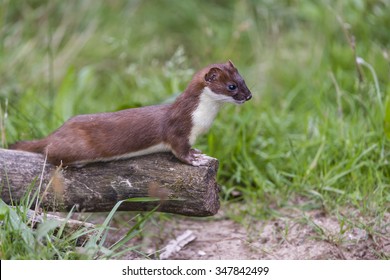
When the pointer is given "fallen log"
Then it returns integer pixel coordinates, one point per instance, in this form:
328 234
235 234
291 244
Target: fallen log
97 187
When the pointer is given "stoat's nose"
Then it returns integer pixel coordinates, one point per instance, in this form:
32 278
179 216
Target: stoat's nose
249 97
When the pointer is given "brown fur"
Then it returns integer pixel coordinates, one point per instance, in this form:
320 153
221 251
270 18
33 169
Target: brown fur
105 135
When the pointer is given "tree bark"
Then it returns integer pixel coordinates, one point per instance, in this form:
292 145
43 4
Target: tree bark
97 187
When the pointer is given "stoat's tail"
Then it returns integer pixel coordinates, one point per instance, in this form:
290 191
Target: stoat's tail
36 146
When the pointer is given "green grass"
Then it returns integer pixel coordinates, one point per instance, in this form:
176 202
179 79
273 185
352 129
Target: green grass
22 237
316 130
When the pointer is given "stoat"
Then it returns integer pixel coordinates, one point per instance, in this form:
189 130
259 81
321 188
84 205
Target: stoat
139 131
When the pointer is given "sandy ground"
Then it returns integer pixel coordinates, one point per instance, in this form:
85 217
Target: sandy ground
298 236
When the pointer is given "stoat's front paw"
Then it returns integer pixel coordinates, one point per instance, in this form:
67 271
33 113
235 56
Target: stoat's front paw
195 158
200 160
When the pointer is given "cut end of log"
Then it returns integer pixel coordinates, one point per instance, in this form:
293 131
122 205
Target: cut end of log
97 187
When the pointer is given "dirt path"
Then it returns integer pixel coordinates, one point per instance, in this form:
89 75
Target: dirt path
308 235
295 234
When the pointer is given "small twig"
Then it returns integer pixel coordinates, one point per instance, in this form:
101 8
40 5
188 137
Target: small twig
39 218
70 224
177 244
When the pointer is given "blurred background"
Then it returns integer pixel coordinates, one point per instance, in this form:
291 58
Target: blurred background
319 72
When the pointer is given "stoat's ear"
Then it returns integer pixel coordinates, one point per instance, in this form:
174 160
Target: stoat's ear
231 64
212 74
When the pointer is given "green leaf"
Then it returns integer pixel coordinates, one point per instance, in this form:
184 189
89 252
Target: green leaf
46 228
16 223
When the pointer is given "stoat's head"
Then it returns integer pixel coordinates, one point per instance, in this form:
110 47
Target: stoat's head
223 83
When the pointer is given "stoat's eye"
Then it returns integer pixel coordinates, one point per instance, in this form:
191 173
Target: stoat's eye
232 87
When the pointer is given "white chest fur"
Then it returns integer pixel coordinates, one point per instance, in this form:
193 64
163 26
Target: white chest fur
205 113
